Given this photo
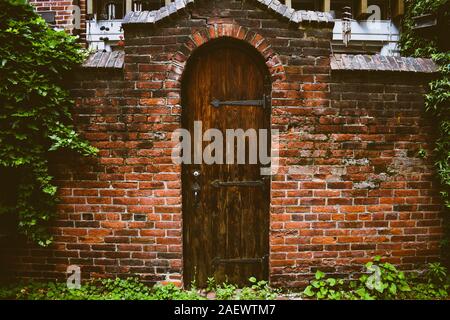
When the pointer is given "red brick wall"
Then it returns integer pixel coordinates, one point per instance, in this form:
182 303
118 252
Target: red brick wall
360 188
64 14
350 184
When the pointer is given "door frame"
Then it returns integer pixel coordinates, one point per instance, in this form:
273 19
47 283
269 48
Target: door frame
260 62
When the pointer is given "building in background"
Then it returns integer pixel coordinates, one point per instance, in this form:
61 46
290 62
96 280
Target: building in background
374 26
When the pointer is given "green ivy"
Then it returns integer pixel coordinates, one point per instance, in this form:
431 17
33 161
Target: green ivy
382 281
437 101
97 289
133 289
258 290
172 292
412 43
326 288
390 284
35 118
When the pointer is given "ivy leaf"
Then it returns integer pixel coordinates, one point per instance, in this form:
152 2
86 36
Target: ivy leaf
319 275
331 281
309 291
36 105
393 289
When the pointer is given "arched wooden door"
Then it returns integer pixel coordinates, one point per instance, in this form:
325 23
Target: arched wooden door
226 206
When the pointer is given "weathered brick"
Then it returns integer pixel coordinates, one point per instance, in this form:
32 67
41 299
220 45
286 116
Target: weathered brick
357 188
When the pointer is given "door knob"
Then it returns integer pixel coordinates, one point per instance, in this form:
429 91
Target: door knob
196 187
196 190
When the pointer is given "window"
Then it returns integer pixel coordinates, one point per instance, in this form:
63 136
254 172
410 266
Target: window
137 6
110 9
116 9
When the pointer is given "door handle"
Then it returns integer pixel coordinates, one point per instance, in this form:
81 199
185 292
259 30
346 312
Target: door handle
196 187
196 190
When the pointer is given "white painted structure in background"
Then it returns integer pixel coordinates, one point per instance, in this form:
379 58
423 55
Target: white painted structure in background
383 31
104 34
95 36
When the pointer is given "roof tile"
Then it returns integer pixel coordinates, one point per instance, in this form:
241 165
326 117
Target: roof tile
381 63
274 5
105 60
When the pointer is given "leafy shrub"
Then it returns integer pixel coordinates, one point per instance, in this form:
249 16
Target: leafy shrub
427 291
385 282
104 289
437 103
259 290
437 100
433 286
172 292
382 282
35 119
437 273
132 289
108 289
412 43
211 284
225 291
326 288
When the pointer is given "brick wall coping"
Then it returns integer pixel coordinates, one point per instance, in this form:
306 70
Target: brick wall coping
381 63
108 60
273 5
345 62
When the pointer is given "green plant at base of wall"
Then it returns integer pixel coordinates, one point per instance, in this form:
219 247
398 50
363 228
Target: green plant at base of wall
392 284
382 281
35 117
133 289
437 100
258 290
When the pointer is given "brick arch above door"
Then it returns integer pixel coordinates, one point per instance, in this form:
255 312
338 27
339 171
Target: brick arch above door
234 31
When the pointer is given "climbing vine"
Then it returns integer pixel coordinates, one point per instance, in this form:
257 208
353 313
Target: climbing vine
437 101
35 118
